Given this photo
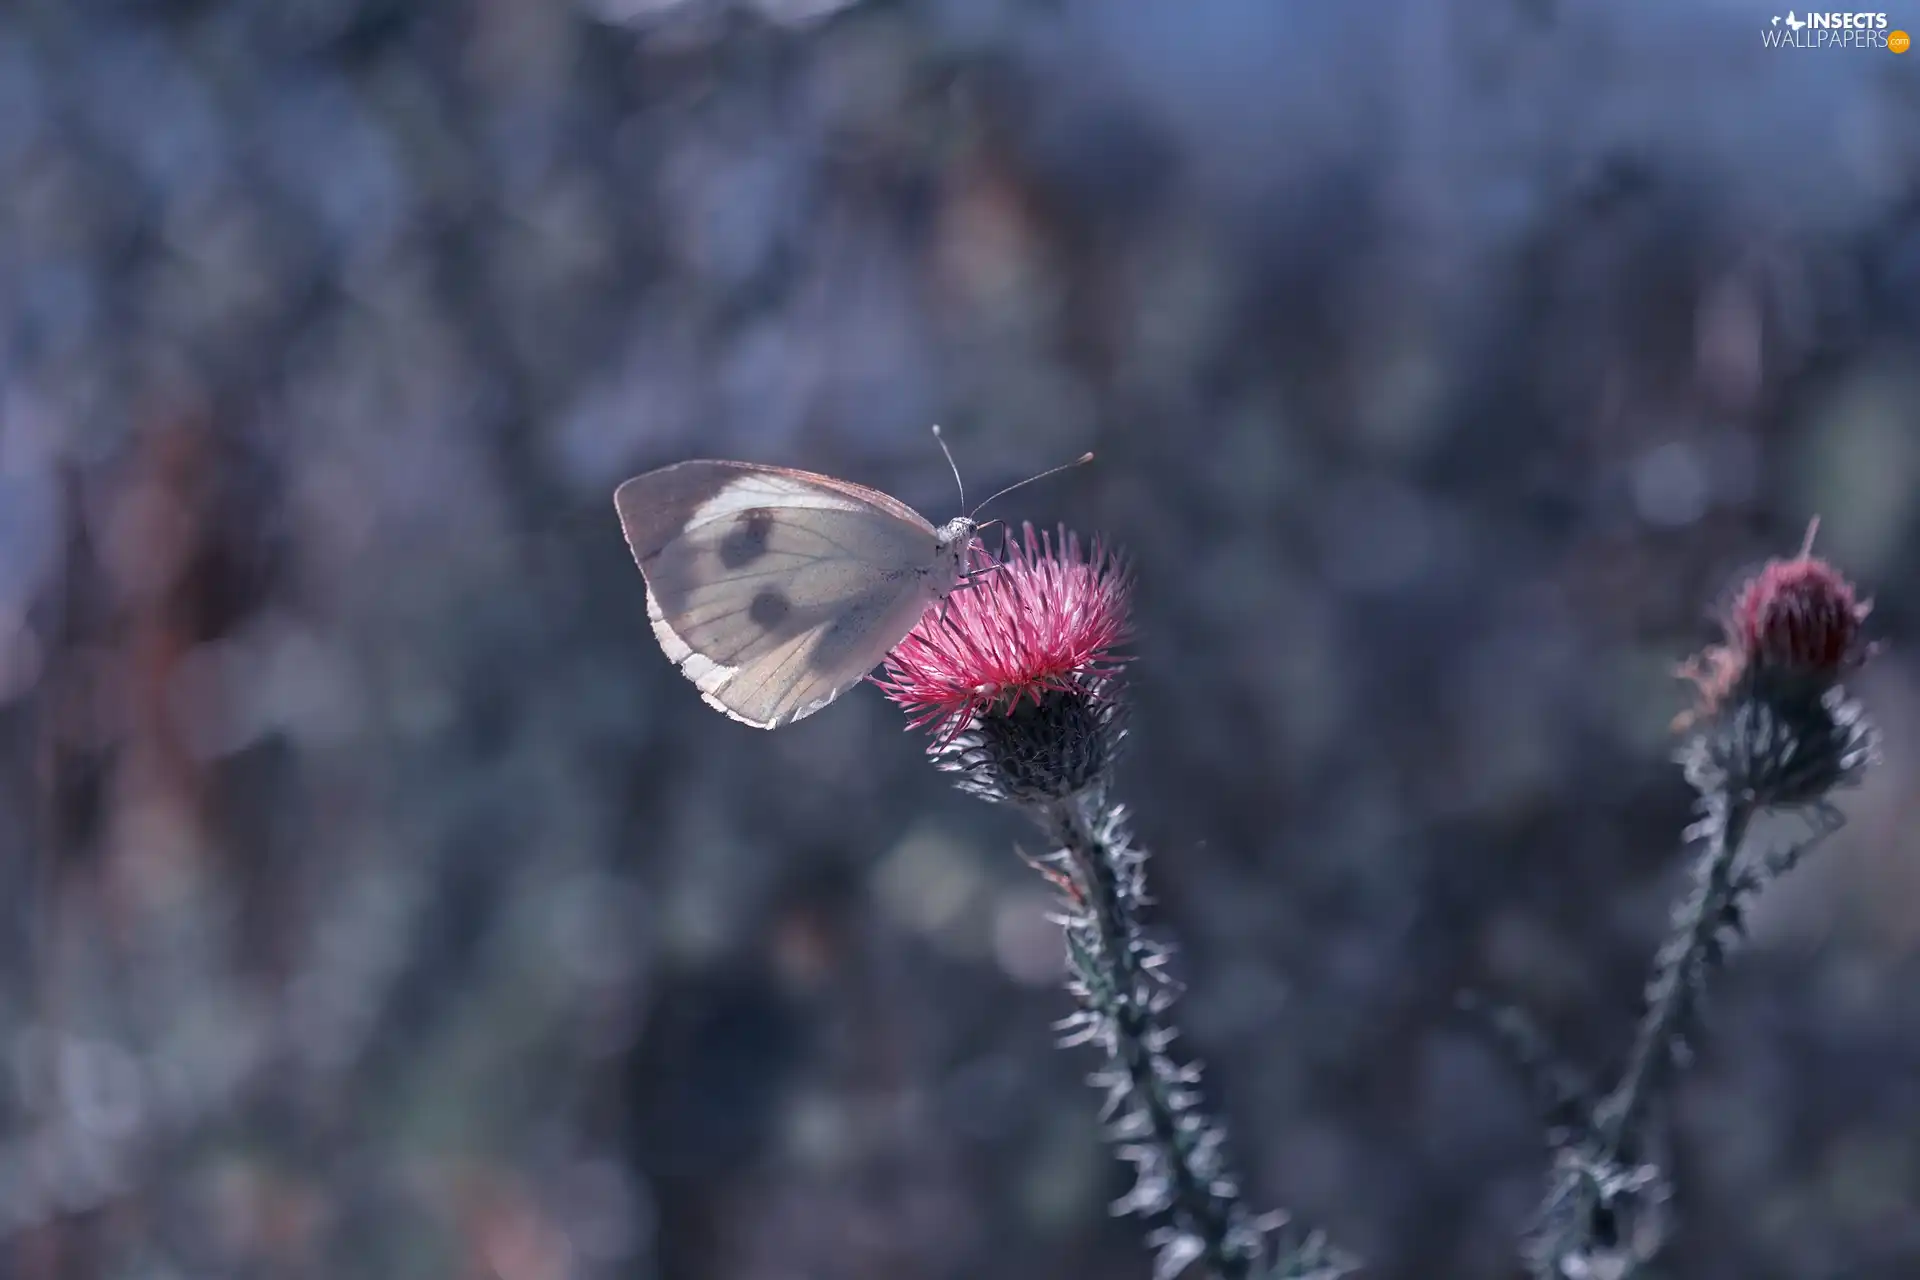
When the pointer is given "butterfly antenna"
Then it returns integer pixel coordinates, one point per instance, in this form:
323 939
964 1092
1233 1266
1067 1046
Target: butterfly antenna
1806 548
941 441
1080 461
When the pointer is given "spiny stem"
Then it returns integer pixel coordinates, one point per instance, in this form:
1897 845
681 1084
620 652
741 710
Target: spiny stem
1106 878
1674 998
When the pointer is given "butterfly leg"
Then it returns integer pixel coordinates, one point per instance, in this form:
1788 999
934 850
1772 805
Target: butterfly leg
971 576
966 582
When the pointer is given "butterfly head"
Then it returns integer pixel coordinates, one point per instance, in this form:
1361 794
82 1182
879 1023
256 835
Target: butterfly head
956 538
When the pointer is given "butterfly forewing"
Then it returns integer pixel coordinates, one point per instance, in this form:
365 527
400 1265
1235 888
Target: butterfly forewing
775 591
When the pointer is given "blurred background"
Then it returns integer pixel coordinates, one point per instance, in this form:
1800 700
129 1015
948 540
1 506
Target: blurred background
378 900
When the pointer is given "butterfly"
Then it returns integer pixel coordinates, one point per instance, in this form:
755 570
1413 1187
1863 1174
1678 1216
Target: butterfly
774 590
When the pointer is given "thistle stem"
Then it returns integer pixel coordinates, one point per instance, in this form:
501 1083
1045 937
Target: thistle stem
1131 996
1679 976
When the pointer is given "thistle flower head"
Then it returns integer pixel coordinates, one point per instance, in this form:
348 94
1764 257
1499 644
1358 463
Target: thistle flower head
1016 674
1794 622
1780 727
1800 615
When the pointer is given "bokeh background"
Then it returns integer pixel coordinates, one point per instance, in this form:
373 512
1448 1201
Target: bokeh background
378 901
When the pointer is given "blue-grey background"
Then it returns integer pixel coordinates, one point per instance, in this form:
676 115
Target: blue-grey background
378 902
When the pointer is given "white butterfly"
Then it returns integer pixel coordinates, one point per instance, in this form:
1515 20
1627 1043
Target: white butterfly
774 590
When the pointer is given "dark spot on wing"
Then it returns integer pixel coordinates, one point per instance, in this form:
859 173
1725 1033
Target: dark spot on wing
770 608
747 540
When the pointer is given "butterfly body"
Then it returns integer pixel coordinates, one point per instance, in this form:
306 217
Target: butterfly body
776 590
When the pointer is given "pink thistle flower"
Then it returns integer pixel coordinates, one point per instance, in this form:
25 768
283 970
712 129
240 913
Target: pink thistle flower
1801 615
1778 731
1797 621
1017 673
1042 617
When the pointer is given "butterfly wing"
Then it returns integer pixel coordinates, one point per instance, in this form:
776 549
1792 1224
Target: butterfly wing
773 590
